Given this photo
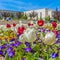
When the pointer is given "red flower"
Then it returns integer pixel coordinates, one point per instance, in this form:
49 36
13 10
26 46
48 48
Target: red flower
40 22
55 32
32 24
54 24
14 24
21 30
23 27
29 24
8 25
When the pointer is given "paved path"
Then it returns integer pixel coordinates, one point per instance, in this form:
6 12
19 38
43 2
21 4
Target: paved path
16 21
10 22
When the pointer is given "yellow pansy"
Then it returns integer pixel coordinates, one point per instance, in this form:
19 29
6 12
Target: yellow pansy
1 37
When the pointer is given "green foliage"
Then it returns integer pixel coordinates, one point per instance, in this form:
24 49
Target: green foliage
24 16
40 18
11 15
0 17
37 17
47 18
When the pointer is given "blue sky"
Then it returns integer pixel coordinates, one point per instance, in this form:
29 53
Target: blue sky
23 5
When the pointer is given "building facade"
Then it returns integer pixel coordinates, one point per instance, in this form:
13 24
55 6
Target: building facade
43 13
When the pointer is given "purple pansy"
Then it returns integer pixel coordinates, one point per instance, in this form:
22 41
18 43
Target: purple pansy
39 29
18 35
11 54
11 45
27 44
47 31
4 46
58 35
58 48
34 42
9 49
27 49
12 39
0 47
23 59
42 29
54 55
1 52
58 41
17 43
4 53
40 59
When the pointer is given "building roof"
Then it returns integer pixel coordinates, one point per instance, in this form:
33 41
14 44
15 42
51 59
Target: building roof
40 9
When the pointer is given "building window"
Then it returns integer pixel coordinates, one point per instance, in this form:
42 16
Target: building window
40 14
46 12
52 13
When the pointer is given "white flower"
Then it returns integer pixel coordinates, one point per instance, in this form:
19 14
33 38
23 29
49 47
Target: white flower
29 35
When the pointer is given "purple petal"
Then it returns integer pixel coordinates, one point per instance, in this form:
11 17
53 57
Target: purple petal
27 44
1 52
11 54
41 59
27 49
9 49
58 35
11 45
58 48
54 55
17 43
12 39
23 59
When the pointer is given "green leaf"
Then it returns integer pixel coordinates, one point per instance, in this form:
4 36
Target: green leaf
36 48
36 54
52 59
6 57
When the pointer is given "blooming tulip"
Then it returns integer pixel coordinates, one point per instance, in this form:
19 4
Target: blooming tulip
21 30
54 24
14 24
8 25
40 22
29 24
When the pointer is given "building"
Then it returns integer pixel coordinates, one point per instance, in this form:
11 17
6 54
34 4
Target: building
41 13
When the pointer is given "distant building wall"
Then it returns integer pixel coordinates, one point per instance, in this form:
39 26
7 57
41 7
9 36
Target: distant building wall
42 13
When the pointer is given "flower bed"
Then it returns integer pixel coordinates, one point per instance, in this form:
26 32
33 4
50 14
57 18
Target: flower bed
40 42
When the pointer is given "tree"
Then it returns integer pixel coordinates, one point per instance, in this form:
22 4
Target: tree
19 14
56 15
30 15
11 15
33 14
5 14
